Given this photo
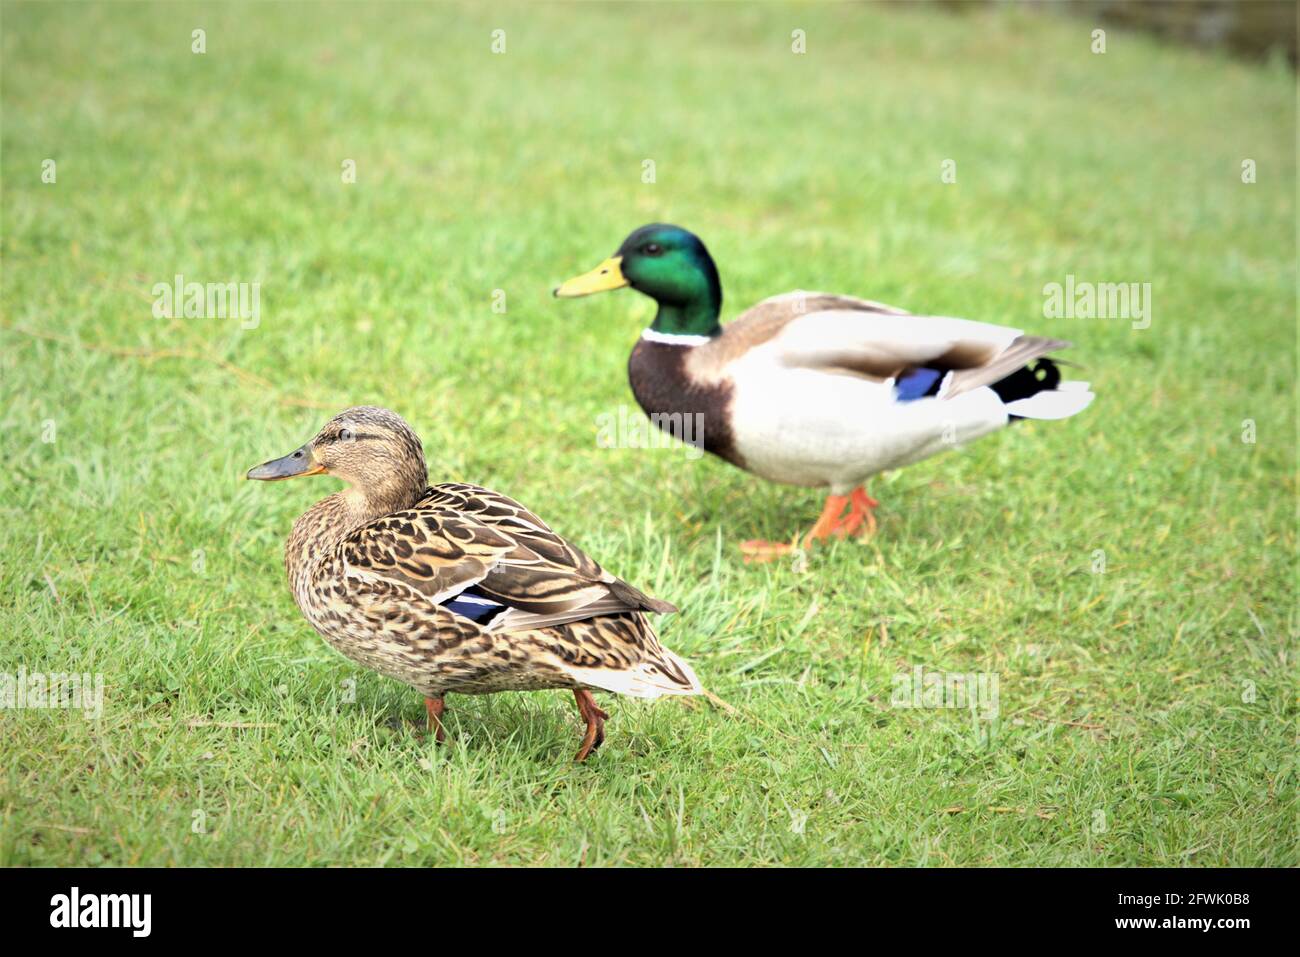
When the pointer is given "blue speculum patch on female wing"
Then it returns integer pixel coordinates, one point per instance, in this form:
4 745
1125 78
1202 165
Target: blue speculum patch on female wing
917 384
476 607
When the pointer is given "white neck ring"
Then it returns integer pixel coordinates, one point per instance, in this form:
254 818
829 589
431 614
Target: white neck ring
672 338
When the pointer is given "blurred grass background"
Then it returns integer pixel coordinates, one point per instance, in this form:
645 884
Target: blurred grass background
1147 713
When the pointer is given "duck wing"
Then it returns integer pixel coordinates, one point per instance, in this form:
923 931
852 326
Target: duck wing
486 556
857 337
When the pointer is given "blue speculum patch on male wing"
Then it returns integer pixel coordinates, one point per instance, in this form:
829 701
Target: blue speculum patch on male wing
917 384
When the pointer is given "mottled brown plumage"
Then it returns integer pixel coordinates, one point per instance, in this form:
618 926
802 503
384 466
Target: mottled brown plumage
389 571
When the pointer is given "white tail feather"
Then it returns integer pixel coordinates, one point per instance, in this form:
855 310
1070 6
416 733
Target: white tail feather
1069 398
644 680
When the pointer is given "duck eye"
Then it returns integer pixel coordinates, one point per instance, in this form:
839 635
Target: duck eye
653 249
345 435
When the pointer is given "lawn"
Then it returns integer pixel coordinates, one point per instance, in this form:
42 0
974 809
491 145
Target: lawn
1126 577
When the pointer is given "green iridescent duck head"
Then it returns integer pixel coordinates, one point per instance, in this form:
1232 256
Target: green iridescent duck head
671 266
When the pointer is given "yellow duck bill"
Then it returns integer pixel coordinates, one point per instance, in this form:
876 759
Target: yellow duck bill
298 462
608 275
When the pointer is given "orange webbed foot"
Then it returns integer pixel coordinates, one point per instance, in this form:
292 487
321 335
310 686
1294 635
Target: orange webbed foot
861 519
834 522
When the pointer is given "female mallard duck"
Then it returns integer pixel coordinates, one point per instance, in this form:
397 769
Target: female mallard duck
816 389
457 588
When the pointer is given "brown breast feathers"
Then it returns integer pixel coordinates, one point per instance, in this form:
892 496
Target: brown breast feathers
668 393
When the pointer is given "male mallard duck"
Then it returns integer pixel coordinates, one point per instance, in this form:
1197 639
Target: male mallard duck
817 389
457 588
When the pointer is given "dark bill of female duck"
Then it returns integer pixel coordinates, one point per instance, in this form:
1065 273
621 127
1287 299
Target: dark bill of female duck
298 462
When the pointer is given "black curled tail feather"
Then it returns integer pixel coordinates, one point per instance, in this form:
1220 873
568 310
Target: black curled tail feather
1042 376
1022 351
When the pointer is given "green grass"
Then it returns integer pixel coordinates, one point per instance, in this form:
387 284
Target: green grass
1128 732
